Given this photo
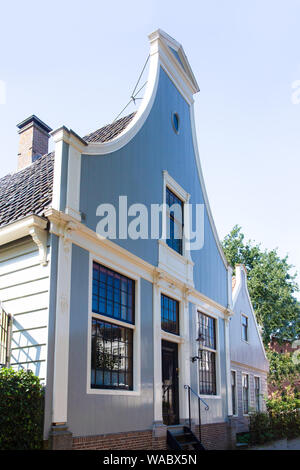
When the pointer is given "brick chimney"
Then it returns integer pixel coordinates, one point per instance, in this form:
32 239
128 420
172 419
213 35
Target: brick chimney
34 137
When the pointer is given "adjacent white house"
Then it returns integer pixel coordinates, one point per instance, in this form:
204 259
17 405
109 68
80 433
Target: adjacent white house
249 364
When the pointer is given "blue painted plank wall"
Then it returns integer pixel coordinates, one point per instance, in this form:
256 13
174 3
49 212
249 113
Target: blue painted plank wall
136 171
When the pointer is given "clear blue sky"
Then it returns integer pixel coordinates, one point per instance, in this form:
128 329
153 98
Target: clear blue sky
76 62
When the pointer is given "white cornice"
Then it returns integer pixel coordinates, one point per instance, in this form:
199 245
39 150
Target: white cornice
70 137
248 366
21 228
64 225
32 225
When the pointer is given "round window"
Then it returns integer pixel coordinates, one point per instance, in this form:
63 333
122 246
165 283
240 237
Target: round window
175 122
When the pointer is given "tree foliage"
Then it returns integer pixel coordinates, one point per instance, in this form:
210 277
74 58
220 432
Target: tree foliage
287 400
283 371
21 410
271 286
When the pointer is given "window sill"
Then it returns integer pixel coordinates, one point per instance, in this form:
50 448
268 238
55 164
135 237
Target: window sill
175 264
173 252
113 320
102 391
207 397
244 341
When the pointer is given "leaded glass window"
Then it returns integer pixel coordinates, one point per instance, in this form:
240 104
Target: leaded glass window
207 355
169 314
113 294
112 356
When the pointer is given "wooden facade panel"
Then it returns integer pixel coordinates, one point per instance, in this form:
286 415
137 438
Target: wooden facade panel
30 320
31 273
29 337
30 354
27 304
24 290
19 262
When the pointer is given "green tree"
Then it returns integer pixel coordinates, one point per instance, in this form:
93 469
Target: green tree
271 286
283 370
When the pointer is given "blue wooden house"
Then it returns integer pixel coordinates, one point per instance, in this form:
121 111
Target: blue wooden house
129 332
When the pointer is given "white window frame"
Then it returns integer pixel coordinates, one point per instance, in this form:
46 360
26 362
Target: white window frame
259 395
248 393
199 310
136 330
236 392
246 316
173 263
184 196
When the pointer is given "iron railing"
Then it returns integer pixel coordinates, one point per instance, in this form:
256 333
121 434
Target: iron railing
200 400
5 337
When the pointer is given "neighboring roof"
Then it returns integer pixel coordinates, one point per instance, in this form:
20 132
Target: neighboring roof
233 282
110 131
28 191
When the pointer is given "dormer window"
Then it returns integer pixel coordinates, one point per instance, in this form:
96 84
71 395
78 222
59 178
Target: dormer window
245 328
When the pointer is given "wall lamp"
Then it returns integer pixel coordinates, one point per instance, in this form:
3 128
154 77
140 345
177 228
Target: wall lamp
196 358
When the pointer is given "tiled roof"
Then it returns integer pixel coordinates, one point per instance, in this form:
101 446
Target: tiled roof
29 191
110 131
233 282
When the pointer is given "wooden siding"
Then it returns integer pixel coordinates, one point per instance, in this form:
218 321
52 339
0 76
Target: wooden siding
242 421
24 292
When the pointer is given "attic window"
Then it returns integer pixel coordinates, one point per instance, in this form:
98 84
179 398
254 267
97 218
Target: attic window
175 122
